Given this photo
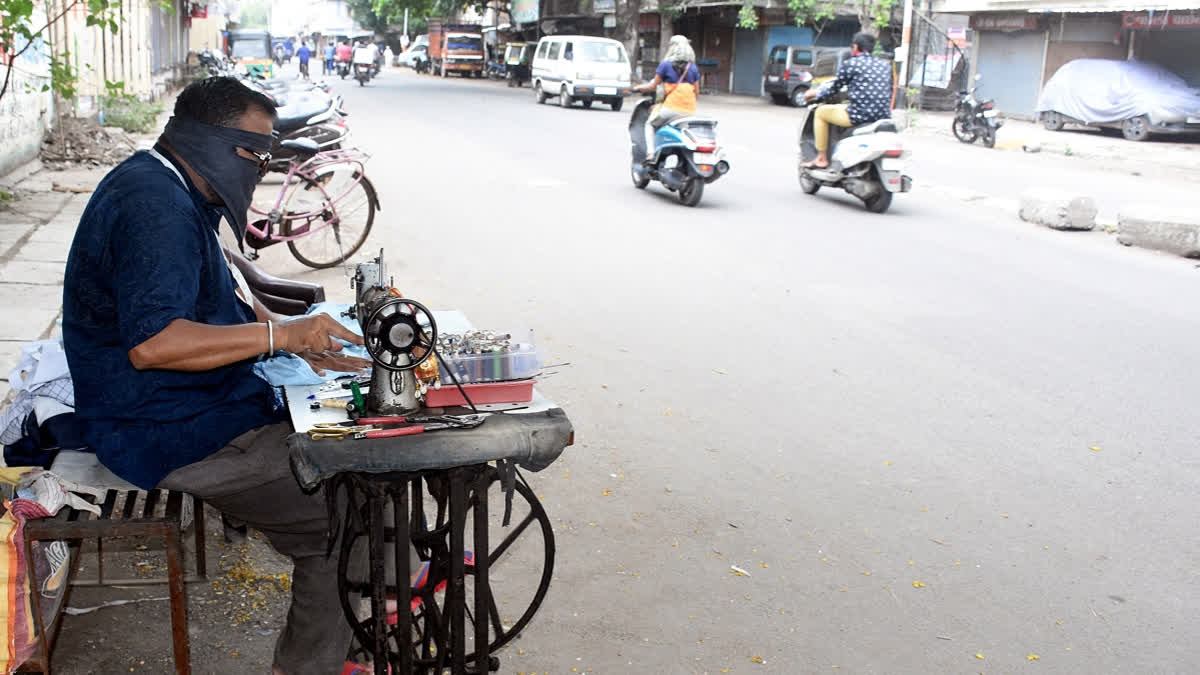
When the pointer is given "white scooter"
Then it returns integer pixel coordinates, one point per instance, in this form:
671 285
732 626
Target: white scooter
865 160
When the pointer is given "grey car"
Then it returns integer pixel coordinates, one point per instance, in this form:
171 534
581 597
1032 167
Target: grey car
793 69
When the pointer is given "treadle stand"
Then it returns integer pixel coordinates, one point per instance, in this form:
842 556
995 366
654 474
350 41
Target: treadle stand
429 639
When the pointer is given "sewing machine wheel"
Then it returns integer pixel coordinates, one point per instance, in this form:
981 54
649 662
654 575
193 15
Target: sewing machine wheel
521 563
393 333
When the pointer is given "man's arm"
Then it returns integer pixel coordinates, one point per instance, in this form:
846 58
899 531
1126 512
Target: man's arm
190 346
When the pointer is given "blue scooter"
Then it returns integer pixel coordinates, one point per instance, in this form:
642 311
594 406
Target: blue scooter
686 154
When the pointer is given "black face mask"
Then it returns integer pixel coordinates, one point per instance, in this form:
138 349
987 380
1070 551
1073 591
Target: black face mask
211 152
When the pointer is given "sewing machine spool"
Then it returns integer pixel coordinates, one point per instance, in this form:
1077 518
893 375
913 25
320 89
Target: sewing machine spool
393 332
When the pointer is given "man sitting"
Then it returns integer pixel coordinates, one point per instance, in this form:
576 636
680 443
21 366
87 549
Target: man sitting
161 334
868 82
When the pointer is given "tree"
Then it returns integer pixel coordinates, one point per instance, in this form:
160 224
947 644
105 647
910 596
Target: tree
873 15
255 14
17 36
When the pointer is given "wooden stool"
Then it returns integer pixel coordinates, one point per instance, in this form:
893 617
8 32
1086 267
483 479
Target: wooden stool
125 511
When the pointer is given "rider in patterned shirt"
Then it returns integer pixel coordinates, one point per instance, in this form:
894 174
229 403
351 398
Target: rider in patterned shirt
868 82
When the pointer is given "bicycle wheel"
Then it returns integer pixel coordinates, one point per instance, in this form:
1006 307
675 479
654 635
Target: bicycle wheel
331 215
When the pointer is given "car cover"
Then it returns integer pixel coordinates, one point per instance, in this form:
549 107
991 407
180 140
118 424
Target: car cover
1102 90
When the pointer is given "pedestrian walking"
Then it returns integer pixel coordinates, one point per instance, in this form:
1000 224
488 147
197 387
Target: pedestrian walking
329 52
304 54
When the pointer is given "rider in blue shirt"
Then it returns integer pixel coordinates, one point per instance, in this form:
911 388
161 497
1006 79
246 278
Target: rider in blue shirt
304 54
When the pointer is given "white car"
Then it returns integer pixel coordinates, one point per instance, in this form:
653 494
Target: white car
1137 97
581 68
414 55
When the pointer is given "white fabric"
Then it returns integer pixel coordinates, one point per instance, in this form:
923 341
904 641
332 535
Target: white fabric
40 372
40 363
1102 90
53 493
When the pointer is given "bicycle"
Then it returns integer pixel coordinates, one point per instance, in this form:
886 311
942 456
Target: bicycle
315 224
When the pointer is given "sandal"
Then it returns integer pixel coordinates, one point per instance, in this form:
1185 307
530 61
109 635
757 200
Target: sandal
352 668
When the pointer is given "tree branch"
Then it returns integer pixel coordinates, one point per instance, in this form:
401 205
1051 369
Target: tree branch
13 56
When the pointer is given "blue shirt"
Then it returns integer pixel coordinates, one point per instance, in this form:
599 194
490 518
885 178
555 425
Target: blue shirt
667 72
868 83
146 253
304 53
328 52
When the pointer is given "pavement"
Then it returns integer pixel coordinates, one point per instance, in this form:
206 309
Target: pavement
809 438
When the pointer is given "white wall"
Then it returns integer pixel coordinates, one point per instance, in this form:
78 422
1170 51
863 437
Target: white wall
25 111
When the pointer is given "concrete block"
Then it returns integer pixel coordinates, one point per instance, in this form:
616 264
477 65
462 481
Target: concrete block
1057 211
1160 229
28 310
27 272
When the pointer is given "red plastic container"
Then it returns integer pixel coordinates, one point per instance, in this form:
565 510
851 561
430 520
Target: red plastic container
519 391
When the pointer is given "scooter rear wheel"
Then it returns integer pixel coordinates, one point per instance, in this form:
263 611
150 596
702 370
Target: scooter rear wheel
880 202
692 190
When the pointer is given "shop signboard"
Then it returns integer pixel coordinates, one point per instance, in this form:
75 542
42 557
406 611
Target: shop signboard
525 11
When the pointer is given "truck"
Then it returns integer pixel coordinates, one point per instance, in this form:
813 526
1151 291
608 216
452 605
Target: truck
456 48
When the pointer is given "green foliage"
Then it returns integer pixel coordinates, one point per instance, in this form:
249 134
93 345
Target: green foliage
747 17
874 14
126 111
64 79
256 14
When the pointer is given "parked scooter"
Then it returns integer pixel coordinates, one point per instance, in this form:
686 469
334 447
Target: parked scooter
976 119
865 160
324 125
363 72
686 154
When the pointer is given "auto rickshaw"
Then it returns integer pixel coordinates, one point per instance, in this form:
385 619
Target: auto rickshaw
517 58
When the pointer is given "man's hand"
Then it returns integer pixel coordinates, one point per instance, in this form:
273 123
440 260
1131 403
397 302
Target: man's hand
339 363
313 333
810 94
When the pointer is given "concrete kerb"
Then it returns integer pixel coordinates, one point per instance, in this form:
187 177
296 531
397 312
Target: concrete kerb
1161 229
1057 211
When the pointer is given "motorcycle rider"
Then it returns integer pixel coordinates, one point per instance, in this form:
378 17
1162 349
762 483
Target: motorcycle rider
681 85
868 82
344 53
364 53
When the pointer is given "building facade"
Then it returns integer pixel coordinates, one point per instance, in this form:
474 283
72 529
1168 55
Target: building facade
1018 46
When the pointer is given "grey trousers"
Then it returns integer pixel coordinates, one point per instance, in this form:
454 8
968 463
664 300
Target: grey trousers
251 480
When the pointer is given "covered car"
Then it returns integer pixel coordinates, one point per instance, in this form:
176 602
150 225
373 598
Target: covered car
1137 97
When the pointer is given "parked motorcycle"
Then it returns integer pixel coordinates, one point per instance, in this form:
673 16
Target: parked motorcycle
362 73
976 119
686 155
865 160
324 125
495 70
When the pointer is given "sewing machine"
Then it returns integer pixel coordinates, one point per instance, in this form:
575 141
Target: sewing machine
399 334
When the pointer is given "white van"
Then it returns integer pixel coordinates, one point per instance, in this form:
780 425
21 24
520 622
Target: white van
581 68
